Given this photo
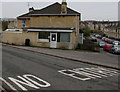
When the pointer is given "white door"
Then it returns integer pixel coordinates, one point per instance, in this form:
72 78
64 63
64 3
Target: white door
53 40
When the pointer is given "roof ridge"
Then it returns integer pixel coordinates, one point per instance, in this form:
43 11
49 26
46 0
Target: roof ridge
54 8
48 6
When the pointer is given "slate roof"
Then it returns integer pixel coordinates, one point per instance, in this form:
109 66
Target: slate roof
54 9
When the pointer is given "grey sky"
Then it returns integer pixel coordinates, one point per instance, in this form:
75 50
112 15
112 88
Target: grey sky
89 10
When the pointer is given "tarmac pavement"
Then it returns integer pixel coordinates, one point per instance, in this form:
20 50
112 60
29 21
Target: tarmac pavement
95 58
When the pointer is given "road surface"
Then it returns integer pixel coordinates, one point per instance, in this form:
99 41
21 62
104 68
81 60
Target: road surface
25 71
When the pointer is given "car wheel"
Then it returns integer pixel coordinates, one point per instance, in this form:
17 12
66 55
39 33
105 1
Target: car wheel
113 52
110 51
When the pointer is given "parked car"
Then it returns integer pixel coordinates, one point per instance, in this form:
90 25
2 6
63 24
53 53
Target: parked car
98 36
115 49
116 43
110 41
101 43
94 39
103 38
107 39
94 35
107 47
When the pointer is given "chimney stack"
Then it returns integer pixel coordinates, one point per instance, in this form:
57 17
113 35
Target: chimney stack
31 9
64 7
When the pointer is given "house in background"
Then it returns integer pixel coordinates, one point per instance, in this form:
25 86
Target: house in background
55 26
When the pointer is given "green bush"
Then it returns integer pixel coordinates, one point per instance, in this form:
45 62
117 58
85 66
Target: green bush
4 25
89 46
87 32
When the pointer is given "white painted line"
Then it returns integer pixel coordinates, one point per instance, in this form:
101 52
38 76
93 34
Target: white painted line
87 74
92 72
106 72
100 71
72 75
8 84
2 89
46 84
25 80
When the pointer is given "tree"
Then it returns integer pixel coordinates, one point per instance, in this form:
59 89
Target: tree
87 32
4 25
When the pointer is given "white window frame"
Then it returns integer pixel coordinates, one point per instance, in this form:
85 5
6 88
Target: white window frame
43 40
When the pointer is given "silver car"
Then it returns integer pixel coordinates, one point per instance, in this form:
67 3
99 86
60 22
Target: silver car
101 44
116 42
115 49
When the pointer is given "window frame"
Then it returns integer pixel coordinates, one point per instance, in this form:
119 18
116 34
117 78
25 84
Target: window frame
43 39
23 23
59 37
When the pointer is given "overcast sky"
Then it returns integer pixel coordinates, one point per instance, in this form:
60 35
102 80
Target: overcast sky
88 10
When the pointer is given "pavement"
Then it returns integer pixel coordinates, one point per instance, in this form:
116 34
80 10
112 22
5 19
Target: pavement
102 59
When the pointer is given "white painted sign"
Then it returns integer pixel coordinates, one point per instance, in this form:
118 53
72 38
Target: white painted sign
25 80
88 73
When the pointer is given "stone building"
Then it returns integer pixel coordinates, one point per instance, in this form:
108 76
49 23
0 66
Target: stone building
55 26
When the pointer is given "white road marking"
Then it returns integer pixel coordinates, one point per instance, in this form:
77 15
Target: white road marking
101 72
89 73
86 74
8 84
93 72
72 75
2 89
104 71
46 84
85 70
25 80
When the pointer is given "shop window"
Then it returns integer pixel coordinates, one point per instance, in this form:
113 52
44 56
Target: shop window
64 37
44 36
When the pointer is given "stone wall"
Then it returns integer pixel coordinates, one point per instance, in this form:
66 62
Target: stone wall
19 38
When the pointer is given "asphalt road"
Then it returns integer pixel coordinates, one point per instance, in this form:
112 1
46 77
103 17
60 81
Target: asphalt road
25 70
